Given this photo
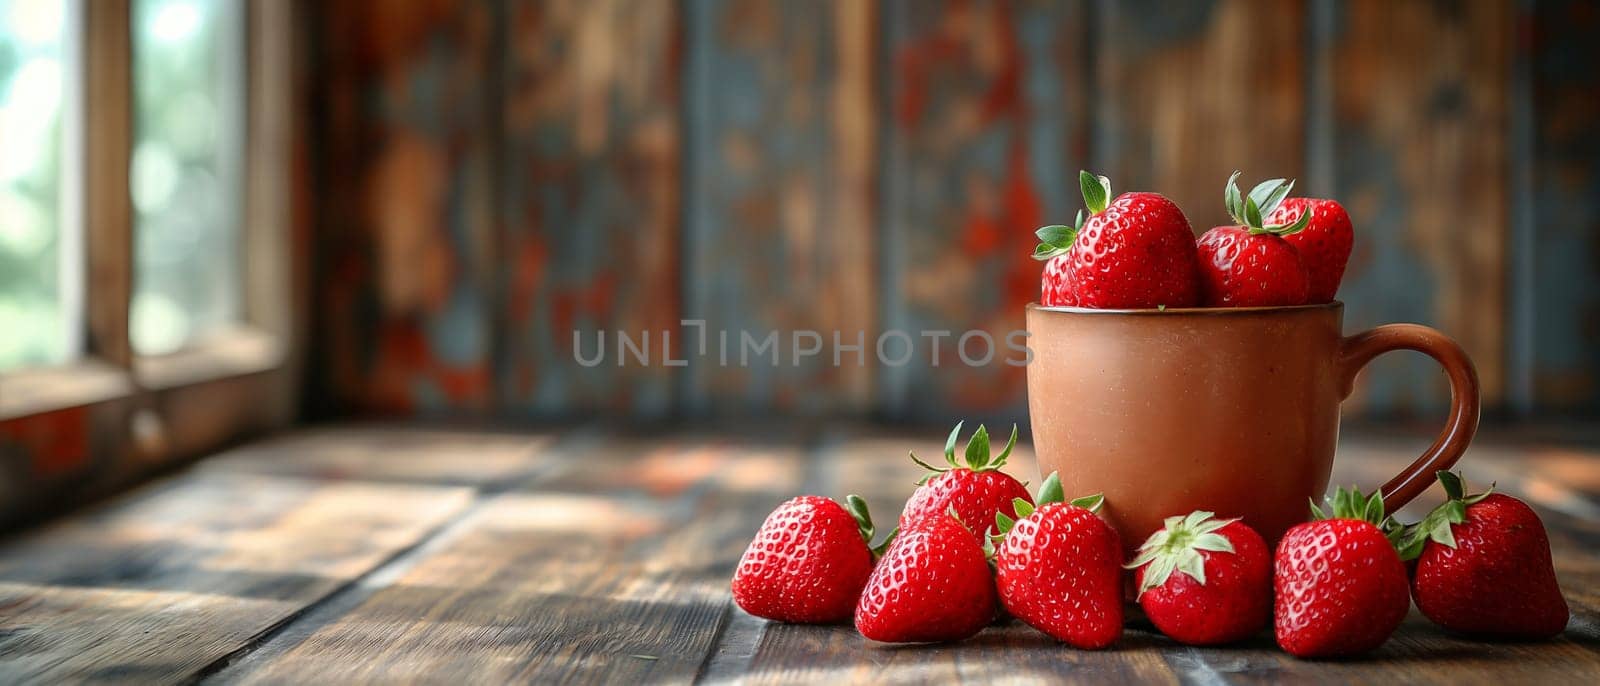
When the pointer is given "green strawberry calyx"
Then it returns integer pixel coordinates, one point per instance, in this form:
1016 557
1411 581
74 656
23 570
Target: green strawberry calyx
1057 239
1353 504
1176 547
977 456
1437 525
1250 210
1049 493
857 507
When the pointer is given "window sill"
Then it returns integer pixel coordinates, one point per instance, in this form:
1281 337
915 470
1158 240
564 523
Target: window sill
27 392
235 352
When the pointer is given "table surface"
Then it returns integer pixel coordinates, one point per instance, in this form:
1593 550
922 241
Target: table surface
384 554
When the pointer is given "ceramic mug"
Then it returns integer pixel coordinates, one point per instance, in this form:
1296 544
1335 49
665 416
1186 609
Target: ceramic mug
1230 410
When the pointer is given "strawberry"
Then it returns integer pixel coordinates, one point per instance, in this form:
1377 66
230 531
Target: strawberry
1059 568
1205 581
1056 289
932 584
807 563
1484 567
1136 251
1324 244
1341 587
975 490
1252 265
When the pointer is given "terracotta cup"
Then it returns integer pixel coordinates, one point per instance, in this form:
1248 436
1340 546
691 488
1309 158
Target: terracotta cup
1235 411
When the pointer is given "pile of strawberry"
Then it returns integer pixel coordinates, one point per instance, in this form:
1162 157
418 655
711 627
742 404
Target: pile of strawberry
1138 251
971 543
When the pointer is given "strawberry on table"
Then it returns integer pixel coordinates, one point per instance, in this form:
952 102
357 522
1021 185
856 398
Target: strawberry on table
975 489
1341 587
932 584
1059 568
1484 567
1252 264
1324 244
807 563
1205 581
1136 251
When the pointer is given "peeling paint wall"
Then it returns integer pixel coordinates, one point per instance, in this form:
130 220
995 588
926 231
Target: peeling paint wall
501 173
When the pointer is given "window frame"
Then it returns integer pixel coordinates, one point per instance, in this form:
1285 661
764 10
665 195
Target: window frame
149 410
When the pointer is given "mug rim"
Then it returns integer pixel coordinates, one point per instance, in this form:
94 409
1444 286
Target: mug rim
1189 311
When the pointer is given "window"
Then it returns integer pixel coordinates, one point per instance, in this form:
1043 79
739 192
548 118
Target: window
39 323
145 268
188 75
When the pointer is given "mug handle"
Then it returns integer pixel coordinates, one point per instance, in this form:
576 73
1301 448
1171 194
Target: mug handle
1356 351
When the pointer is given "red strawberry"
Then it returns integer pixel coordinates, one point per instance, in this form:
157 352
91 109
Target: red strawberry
1136 251
807 563
1204 580
1059 569
1485 567
933 584
1252 265
1341 587
1324 244
1056 287
975 491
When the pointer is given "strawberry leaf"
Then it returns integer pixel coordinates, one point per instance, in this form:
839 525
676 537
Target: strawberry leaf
1044 253
1252 215
1022 507
929 467
950 446
1056 234
978 450
1178 546
1231 199
858 509
1096 191
1000 460
1294 227
1091 503
1050 490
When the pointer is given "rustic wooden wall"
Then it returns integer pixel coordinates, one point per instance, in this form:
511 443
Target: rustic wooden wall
500 173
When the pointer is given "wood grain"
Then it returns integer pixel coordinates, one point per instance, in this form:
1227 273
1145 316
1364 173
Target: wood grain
1187 94
605 557
780 204
209 561
55 634
983 143
393 453
614 570
1562 308
405 255
1418 89
590 185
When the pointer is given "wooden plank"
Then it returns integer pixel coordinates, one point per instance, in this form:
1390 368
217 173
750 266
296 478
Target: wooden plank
393 453
1421 121
405 258
614 570
159 584
780 204
591 208
985 135
1187 94
1564 207
50 634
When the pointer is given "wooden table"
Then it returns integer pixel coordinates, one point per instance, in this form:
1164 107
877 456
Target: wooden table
371 554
